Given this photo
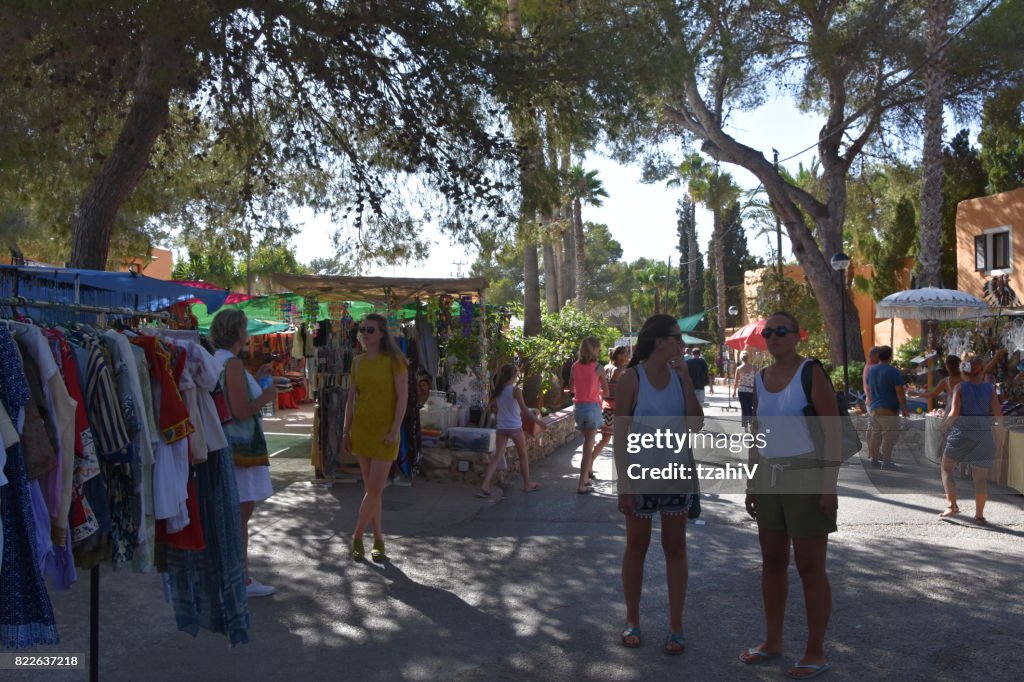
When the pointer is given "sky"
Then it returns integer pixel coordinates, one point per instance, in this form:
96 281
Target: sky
642 217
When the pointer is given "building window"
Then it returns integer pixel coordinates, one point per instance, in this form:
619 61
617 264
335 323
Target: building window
1000 250
993 250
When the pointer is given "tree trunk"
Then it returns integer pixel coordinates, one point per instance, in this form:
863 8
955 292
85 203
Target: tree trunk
721 312
568 248
691 269
531 313
550 270
559 249
92 225
936 30
797 207
581 278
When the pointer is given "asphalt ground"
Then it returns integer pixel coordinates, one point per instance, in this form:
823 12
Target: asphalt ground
526 587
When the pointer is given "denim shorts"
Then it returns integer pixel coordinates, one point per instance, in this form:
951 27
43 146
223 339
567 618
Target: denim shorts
588 416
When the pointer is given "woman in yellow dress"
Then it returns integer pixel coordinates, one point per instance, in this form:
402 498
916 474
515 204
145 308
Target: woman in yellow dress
373 421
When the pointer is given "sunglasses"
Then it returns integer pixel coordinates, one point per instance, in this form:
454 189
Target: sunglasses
769 332
677 337
367 330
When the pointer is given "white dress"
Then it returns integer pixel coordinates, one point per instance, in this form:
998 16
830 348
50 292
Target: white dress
254 483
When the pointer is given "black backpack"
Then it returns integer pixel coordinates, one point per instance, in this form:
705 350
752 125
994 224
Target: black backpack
851 444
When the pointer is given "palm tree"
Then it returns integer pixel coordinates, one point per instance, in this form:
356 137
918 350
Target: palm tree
717 191
582 186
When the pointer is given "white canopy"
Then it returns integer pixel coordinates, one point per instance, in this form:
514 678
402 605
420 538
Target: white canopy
931 303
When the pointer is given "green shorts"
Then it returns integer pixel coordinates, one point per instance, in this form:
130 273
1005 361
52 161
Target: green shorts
799 516
787 501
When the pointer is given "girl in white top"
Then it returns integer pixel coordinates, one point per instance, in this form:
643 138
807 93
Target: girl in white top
801 520
508 399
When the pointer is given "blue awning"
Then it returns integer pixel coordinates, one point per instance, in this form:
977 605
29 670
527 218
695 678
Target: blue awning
96 287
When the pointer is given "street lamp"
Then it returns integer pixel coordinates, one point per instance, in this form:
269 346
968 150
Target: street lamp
841 262
732 311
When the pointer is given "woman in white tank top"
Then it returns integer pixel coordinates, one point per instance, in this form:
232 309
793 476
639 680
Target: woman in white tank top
803 518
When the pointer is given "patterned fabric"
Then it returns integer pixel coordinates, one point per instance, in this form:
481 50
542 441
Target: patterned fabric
26 615
105 411
208 587
15 391
174 423
82 520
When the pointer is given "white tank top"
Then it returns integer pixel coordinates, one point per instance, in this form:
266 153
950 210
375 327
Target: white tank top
781 420
508 409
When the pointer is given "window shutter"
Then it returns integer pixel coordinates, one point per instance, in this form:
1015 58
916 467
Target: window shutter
980 256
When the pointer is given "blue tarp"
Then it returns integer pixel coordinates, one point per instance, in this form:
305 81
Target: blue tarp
95 287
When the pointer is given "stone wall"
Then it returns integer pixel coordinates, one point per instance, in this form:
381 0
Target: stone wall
442 463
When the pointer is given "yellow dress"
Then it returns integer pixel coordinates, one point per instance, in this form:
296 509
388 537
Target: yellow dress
374 383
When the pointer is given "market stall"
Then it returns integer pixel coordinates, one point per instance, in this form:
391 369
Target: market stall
424 315
992 338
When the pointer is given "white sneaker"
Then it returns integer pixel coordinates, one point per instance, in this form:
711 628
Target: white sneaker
258 589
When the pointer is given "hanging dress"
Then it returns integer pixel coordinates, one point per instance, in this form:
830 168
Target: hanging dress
26 615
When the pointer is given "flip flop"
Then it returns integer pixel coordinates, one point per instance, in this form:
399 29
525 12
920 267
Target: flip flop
585 491
532 489
980 521
483 494
752 656
631 631
951 510
816 670
675 638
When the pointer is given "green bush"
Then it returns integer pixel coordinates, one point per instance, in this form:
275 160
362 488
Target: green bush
856 376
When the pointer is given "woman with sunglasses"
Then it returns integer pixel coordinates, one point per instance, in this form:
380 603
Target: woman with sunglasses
793 497
656 386
373 420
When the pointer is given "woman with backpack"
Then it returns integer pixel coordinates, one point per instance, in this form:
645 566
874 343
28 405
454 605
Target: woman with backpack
656 386
793 496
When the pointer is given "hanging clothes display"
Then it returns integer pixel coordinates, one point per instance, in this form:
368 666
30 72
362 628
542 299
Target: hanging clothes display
112 442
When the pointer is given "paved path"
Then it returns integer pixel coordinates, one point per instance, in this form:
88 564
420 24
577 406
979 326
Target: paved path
527 588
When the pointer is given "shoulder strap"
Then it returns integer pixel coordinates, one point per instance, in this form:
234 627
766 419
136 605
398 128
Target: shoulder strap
807 378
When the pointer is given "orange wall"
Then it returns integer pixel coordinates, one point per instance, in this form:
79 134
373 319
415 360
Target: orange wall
159 265
973 217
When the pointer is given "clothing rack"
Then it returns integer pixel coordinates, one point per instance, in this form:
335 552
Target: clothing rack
94 572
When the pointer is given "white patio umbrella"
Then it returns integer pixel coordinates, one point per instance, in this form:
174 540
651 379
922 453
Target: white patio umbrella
931 303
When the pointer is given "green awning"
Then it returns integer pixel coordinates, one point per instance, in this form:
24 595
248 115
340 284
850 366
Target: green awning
693 340
688 324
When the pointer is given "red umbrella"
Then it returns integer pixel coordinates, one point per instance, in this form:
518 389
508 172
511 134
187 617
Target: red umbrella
749 336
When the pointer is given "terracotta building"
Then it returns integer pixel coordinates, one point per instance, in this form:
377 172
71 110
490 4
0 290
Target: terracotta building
989 234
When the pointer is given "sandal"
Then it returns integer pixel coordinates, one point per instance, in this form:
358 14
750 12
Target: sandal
753 656
631 631
377 553
678 639
951 510
815 670
358 551
980 521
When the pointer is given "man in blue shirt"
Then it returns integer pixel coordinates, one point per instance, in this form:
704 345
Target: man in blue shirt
886 400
